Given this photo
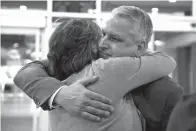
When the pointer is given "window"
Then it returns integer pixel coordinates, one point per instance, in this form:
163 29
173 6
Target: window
73 6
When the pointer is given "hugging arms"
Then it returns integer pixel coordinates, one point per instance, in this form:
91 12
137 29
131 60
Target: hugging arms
155 101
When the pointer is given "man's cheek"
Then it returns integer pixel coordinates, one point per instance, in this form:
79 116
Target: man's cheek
116 51
132 50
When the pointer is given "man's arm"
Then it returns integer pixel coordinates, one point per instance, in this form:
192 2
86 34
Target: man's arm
34 80
36 83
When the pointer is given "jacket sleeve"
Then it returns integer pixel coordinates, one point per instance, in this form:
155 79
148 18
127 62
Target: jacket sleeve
34 81
172 99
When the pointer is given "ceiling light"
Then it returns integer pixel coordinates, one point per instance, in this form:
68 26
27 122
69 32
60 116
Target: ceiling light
155 9
23 7
172 1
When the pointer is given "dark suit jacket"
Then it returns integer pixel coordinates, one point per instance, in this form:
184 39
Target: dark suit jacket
155 100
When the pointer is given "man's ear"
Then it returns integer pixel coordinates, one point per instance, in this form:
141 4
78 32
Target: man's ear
142 46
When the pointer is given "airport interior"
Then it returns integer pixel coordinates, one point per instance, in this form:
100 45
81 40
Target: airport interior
27 25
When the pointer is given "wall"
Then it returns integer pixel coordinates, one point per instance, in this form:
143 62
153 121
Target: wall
193 68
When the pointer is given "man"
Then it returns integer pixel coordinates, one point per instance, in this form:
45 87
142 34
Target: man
155 100
158 100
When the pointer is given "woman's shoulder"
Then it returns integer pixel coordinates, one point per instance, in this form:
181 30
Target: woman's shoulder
85 72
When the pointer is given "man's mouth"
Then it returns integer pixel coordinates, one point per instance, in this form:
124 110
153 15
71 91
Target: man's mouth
104 55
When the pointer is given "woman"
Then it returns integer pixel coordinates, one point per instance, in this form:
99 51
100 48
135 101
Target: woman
73 49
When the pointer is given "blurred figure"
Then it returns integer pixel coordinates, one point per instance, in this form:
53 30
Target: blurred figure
183 117
13 53
3 79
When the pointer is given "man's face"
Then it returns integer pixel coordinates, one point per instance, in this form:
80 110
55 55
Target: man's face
120 38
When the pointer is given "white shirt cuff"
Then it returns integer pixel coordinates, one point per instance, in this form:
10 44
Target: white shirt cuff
51 105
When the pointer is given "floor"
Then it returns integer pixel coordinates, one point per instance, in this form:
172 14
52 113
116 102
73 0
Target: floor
18 113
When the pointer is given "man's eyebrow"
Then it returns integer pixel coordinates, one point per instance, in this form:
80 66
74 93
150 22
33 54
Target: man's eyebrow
116 35
111 33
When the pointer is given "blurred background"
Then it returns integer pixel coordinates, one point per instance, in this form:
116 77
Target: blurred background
26 27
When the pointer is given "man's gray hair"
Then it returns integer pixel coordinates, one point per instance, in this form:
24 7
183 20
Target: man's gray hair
138 15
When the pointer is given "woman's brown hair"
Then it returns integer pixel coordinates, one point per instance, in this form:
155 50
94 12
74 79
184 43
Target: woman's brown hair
72 46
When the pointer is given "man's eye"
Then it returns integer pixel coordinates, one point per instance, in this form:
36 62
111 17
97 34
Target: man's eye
114 39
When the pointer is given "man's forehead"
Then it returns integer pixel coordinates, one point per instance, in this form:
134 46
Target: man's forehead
112 31
120 26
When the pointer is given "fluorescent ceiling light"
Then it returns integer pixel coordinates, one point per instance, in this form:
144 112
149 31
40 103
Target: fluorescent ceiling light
23 7
155 10
172 1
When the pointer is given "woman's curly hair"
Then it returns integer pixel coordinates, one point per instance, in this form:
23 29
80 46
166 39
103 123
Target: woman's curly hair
72 46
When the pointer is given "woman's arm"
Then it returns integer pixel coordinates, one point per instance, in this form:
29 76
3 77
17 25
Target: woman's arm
120 75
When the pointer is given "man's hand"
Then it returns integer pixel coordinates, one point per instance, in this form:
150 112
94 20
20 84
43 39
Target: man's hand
78 101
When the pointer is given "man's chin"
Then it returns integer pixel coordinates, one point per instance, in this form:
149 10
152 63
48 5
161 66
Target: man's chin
104 56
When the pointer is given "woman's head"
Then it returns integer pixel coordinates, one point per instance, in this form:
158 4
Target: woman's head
72 46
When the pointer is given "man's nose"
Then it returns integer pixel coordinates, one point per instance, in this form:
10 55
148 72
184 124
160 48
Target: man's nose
103 44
